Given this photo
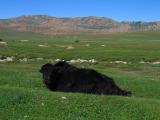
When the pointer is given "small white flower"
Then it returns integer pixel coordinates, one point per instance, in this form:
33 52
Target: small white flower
87 45
26 116
42 45
24 40
42 104
103 45
64 98
39 58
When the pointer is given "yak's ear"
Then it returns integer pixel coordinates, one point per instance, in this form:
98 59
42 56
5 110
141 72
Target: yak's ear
47 66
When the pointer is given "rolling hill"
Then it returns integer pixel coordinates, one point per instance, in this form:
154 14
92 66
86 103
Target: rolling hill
71 25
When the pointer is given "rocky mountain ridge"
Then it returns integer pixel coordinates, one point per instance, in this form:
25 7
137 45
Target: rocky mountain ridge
71 25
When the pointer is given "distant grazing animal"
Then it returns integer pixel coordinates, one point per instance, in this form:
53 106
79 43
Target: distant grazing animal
68 78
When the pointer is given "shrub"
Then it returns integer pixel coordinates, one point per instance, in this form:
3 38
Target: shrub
76 41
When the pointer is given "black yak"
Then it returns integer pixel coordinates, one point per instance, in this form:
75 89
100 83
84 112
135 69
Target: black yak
68 78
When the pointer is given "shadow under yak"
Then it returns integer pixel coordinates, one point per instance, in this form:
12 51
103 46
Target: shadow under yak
68 78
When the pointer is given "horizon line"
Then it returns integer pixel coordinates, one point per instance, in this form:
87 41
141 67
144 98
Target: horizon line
11 17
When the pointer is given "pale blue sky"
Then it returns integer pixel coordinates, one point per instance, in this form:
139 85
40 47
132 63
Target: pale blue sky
121 10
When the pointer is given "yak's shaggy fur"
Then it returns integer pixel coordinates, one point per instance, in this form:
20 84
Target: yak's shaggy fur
67 78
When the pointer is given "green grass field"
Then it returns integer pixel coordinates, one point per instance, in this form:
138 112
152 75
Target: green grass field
24 97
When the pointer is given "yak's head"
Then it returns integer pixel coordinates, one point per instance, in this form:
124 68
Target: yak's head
51 73
47 70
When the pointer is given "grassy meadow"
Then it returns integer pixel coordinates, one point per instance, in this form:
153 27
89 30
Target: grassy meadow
24 97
